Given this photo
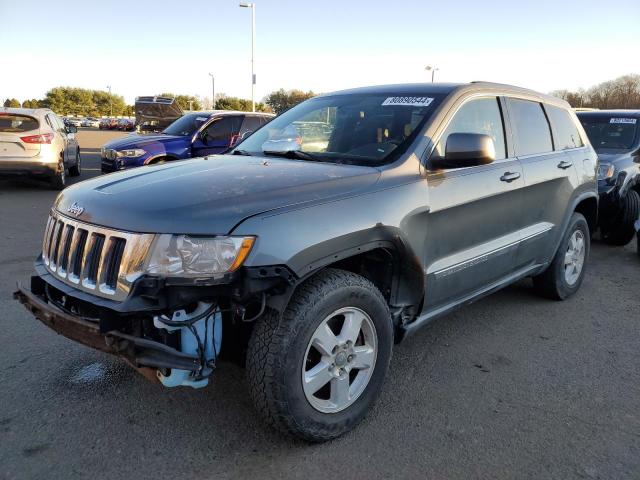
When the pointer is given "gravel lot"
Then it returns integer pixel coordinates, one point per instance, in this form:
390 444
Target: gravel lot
513 386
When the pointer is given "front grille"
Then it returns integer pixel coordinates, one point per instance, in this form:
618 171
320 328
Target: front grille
94 259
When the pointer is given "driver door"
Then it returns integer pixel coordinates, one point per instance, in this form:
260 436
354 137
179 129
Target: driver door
474 219
217 136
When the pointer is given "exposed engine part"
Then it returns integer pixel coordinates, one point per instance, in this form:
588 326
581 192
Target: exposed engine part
200 334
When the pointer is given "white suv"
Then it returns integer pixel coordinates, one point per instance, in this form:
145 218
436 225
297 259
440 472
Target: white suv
36 143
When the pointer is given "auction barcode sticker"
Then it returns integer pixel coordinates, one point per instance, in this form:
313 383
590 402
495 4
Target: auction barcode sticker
623 120
408 101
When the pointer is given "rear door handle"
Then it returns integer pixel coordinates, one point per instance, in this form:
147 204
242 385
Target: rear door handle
510 176
564 164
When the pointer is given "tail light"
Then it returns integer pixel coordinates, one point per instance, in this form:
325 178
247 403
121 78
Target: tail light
44 138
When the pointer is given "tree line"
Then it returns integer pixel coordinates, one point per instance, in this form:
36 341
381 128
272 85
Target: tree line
98 103
622 92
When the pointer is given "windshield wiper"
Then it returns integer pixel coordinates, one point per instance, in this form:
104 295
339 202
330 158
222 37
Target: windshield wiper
297 154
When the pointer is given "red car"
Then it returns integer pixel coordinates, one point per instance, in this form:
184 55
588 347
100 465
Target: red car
125 125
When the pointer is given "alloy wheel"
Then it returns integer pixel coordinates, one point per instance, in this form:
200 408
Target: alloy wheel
339 360
574 257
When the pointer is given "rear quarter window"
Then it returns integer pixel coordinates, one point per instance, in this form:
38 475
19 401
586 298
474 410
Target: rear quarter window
530 126
565 133
12 123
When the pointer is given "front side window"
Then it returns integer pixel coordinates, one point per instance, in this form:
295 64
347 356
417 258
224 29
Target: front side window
530 127
223 129
565 133
359 128
608 132
481 115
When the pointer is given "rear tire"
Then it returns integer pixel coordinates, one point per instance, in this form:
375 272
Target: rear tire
564 275
76 170
622 231
59 179
298 363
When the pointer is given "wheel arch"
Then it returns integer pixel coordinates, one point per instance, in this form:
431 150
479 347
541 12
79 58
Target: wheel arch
380 254
588 207
155 158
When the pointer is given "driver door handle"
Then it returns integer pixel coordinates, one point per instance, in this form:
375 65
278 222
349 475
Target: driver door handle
564 164
510 176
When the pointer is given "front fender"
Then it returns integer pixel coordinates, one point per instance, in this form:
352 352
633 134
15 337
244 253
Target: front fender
310 238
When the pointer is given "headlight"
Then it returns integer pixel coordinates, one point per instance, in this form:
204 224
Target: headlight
136 152
605 171
190 256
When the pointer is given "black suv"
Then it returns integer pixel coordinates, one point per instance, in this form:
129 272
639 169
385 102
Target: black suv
615 137
343 225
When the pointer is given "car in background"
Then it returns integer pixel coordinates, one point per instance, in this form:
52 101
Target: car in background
104 124
91 122
196 134
75 121
125 125
36 143
615 136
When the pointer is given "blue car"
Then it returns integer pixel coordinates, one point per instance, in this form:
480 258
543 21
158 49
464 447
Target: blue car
195 134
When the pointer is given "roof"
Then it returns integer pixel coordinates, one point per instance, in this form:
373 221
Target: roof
609 113
24 111
401 88
211 113
445 88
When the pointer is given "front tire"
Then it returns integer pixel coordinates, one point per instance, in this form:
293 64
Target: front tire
623 229
315 371
565 274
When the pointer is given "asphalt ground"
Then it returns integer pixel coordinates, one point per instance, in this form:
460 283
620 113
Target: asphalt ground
513 386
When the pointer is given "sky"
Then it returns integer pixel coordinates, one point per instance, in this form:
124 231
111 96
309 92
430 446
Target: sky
143 47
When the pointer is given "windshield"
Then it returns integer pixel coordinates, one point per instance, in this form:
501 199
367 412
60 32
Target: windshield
186 125
363 129
606 132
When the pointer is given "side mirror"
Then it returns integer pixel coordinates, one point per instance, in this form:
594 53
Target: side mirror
466 150
72 129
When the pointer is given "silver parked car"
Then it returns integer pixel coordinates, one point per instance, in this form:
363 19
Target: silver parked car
36 143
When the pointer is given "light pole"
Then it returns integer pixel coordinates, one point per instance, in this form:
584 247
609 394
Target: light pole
213 92
252 6
433 71
110 101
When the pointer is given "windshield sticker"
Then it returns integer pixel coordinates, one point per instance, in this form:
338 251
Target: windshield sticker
408 101
623 120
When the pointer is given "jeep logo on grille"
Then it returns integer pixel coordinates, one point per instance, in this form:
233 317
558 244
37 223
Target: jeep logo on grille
75 209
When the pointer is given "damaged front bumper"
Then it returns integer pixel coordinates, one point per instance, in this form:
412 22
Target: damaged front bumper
189 364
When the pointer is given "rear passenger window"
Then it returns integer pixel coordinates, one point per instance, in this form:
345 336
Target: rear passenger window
530 127
481 115
250 124
565 133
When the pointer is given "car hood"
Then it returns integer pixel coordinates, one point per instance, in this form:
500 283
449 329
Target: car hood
612 157
208 195
140 141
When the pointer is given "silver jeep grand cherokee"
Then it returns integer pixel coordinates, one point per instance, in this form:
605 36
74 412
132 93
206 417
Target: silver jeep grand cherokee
341 226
